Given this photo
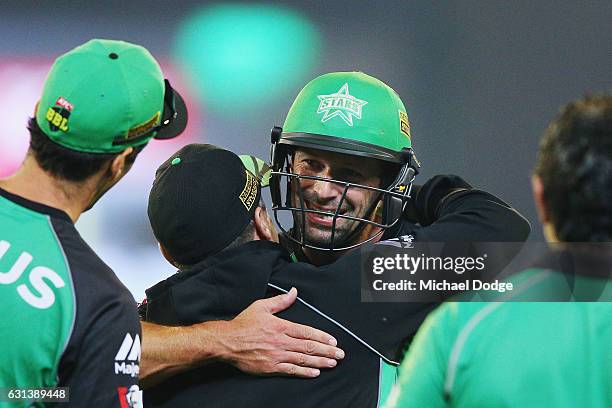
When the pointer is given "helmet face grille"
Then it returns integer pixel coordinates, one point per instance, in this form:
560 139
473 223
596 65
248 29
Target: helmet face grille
346 231
340 239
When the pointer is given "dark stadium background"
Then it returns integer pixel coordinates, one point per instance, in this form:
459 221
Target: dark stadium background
480 80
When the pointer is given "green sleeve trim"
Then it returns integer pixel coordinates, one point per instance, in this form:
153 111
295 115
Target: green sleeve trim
387 378
74 301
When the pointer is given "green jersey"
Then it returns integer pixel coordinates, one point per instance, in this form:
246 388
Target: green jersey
36 294
518 353
66 319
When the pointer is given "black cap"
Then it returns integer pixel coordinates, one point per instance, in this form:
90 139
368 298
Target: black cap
201 200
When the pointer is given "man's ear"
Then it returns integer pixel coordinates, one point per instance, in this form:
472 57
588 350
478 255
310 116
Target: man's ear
119 166
166 255
263 225
540 202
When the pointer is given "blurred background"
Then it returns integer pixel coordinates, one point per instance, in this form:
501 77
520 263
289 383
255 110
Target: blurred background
480 80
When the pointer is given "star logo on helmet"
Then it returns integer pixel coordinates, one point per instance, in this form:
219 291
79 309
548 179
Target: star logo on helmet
340 104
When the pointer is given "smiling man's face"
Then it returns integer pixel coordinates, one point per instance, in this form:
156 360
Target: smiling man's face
325 196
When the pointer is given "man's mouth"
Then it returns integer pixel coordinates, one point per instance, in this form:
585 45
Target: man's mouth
323 220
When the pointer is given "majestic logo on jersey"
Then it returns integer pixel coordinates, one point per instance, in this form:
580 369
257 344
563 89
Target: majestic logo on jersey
130 397
340 104
128 356
39 277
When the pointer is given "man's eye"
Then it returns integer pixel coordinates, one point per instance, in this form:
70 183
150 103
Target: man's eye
350 175
313 164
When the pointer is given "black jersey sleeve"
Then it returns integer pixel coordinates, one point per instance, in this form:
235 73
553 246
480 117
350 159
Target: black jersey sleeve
102 360
446 208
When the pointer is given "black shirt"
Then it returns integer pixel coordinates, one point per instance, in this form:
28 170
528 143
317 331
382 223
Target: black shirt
371 333
224 285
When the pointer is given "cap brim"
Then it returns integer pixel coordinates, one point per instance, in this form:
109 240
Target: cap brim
258 167
178 125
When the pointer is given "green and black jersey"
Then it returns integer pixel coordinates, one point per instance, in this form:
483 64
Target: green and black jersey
223 285
373 335
66 319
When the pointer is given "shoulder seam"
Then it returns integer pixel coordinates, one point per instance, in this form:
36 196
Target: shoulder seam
469 327
74 313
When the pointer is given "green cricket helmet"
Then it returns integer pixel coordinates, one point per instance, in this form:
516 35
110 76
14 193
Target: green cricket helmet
353 114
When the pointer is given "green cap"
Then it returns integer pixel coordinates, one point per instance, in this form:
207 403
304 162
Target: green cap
349 112
105 96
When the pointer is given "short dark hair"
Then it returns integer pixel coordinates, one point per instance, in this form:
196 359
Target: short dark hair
575 166
67 164
247 234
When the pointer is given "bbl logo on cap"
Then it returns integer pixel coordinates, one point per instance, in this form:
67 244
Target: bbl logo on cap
341 104
58 115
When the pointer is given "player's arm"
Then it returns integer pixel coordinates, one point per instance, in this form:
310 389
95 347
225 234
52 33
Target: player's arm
449 209
255 341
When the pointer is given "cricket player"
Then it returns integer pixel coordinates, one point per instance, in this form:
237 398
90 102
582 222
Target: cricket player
205 210
67 321
548 342
352 191
76 324
344 168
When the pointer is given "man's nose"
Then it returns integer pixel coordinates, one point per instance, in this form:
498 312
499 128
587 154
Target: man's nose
326 191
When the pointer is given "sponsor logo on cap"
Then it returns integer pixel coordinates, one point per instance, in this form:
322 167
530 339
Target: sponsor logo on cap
404 124
143 128
249 192
340 104
64 104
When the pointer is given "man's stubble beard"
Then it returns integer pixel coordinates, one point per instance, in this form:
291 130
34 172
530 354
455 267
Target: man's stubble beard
320 236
